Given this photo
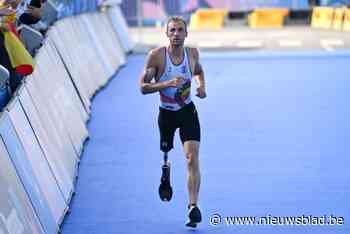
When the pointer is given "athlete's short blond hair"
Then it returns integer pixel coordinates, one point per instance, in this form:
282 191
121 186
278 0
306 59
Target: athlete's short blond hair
176 19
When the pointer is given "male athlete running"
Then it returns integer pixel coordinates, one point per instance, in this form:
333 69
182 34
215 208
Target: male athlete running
169 71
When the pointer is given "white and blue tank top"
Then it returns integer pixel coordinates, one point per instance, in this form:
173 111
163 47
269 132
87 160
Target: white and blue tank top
175 98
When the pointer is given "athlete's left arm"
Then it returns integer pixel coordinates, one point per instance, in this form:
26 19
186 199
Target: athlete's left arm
198 75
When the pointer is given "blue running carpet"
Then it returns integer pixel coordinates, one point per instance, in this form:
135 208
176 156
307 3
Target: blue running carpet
275 147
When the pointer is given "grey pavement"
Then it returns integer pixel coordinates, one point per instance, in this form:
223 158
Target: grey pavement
239 37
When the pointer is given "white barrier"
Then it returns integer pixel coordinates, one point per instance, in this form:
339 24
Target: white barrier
50 149
100 50
120 26
108 44
43 129
61 34
114 42
76 45
38 163
92 64
52 122
63 76
25 171
16 212
66 105
108 38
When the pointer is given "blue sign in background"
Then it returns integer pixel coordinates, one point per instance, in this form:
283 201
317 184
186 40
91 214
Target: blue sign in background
334 2
74 7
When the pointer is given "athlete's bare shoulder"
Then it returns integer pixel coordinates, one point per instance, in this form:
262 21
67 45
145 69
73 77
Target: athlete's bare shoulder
193 53
156 53
156 60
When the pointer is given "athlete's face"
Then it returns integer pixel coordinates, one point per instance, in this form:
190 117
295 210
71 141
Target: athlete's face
176 33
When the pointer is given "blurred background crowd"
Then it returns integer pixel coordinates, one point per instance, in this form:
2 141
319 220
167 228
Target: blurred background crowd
23 24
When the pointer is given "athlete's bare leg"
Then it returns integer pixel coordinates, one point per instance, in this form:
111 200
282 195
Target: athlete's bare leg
191 149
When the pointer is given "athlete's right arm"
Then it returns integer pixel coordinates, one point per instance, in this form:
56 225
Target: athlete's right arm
148 84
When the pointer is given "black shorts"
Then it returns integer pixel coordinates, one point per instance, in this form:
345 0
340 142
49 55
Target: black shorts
186 119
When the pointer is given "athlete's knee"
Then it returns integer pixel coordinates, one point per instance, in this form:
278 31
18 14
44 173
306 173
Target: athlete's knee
192 159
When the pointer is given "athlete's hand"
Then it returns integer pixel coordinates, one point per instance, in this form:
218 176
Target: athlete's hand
201 92
176 82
